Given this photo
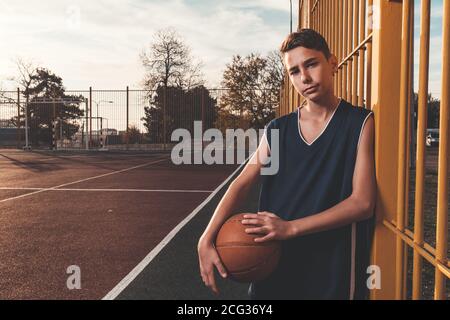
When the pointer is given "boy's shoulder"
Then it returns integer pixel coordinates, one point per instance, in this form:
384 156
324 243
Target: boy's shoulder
277 122
358 111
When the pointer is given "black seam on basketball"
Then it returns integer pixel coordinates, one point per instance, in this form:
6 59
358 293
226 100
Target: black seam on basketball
263 262
242 244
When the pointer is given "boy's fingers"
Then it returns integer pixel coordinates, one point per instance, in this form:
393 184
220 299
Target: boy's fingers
252 221
250 215
221 269
255 230
268 214
212 283
265 238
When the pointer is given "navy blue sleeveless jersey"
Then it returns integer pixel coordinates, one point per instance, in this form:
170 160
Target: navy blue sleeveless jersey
313 177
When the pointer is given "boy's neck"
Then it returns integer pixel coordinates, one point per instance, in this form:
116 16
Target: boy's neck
320 110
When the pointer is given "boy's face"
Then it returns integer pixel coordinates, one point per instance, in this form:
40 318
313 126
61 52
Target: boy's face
310 72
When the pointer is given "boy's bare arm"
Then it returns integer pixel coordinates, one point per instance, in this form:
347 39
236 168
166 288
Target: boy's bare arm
237 192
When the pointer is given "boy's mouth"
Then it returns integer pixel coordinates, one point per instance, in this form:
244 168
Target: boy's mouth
311 89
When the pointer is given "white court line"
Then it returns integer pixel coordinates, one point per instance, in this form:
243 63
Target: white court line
82 180
125 282
104 190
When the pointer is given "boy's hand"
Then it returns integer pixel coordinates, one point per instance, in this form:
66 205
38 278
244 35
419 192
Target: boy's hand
208 260
269 225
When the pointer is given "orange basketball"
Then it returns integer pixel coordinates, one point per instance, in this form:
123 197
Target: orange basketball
245 259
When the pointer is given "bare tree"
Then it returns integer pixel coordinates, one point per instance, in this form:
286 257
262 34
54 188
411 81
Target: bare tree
26 69
168 62
275 67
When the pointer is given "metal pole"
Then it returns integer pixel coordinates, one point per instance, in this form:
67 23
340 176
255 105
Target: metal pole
90 115
290 1
87 125
203 114
18 118
54 125
26 123
164 118
127 134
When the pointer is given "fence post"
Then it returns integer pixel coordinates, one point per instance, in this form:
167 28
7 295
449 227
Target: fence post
164 118
90 116
87 124
53 146
127 137
27 147
53 134
19 138
203 115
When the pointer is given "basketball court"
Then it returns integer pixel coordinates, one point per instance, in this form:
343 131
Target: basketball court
129 221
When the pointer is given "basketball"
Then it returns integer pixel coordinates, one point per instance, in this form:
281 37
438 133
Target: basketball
244 259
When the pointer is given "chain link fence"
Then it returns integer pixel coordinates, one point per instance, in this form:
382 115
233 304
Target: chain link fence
125 119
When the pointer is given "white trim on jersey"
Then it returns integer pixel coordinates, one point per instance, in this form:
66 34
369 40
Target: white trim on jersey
265 136
353 245
362 127
352 270
323 130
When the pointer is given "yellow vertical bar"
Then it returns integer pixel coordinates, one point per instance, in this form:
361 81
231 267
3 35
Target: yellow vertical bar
334 38
384 96
355 57
362 26
344 48
369 56
328 19
408 138
316 25
401 179
444 132
300 15
321 16
320 13
325 19
339 46
317 11
316 15
349 50
421 149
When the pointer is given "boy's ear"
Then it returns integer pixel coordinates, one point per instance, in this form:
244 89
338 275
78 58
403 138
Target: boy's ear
334 63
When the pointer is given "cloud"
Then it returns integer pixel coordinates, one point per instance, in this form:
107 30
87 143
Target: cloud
85 41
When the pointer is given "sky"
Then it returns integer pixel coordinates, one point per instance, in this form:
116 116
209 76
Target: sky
435 68
97 43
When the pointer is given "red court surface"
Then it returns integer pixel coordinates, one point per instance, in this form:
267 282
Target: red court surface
102 212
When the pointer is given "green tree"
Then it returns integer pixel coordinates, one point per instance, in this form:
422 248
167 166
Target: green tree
48 102
253 87
182 108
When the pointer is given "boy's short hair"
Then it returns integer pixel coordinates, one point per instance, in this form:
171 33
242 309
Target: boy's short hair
307 38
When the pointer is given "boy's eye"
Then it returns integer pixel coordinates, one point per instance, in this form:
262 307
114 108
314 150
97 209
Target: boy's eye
294 72
312 64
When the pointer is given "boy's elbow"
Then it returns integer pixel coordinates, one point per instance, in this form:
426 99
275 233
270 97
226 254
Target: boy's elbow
366 207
